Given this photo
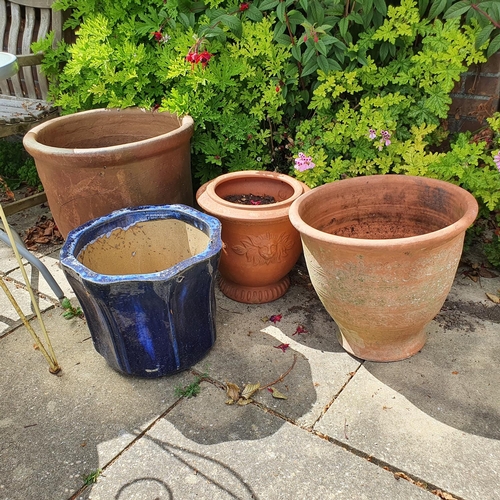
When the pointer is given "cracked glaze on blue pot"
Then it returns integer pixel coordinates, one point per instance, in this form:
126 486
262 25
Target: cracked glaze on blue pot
151 324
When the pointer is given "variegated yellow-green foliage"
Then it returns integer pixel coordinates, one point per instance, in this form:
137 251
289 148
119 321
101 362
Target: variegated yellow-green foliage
379 119
360 87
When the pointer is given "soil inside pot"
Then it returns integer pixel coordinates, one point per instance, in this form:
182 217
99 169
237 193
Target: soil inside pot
250 199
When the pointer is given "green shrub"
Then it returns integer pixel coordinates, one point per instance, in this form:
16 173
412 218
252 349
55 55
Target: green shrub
266 79
16 166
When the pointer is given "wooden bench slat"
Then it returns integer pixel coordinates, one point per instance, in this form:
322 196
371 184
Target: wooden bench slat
23 97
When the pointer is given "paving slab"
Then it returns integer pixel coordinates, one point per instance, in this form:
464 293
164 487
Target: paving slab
9 318
55 430
247 351
8 261
187 455
37 280
371 416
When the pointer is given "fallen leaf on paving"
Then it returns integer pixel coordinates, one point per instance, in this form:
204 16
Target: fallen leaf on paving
454 373
493 298
276 394
43 232
486 273
233 391
249 390
243 402
283 347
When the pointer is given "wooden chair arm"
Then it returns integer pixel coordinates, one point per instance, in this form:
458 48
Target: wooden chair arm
29 59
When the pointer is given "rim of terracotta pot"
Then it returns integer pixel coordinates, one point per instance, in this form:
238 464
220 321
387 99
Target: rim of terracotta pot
34 139
208 198
308 199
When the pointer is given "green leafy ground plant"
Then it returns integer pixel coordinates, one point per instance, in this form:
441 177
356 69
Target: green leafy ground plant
16 166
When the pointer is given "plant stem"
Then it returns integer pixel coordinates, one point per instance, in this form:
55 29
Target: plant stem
486 15
281 377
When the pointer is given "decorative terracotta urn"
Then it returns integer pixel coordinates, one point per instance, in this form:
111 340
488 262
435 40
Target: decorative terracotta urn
382 253
260 245
94 162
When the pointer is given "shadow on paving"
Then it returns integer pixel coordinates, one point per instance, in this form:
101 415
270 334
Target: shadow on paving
55 430
455 378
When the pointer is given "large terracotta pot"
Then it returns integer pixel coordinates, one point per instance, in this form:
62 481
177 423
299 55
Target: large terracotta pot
94 162
260 244
382 253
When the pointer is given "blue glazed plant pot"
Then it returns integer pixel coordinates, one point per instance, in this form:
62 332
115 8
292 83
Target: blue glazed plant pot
145 280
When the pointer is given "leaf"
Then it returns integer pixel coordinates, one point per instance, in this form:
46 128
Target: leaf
233 23
296 52
494 46
493 298
486 273
276 394
457 9
244 402
253 13
310 67
323 63
381 7
484 35
65 303
280 11
249 390
268 4
233 391
437 7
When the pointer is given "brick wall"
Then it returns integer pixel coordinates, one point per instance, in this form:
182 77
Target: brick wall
476 96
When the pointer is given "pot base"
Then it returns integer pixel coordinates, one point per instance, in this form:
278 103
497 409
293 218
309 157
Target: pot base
254 294
385 353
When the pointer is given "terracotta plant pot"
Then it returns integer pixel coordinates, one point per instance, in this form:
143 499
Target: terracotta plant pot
382 253
260 244
94 162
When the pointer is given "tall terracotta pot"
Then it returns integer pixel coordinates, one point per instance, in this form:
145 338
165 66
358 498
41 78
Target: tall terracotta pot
260 244
94 162
382 253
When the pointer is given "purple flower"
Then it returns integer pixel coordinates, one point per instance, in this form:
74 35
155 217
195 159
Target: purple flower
303 162
386 137
496 159
372 134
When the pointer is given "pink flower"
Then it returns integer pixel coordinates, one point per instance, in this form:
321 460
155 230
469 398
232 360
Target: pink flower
386 137
244 6
496 159
372 134
275 318
283 347
303 162
300 329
